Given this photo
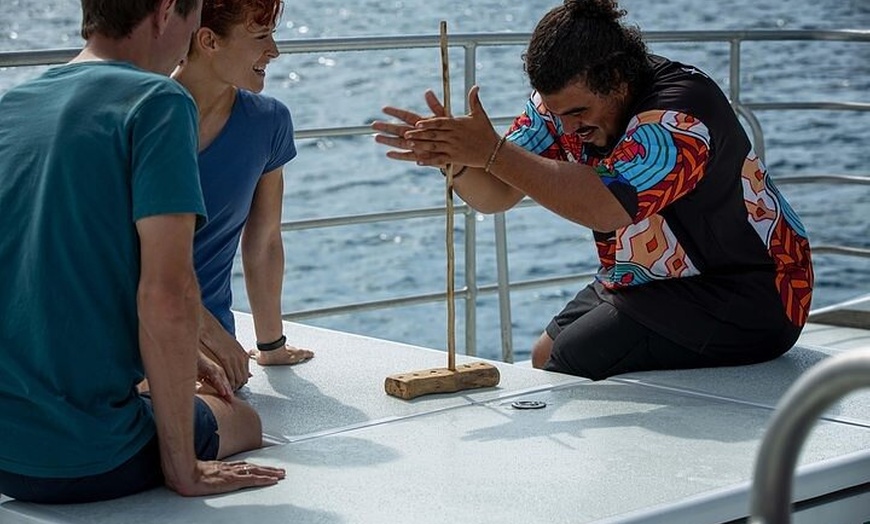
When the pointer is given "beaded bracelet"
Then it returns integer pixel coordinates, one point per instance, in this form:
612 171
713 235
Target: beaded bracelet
492 156
271 346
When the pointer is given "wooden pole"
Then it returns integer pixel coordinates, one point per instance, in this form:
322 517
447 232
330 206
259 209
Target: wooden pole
451 257
451 379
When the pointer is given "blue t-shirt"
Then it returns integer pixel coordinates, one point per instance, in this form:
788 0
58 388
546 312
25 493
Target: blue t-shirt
86 150
257 139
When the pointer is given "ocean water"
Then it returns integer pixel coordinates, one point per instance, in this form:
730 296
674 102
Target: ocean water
333 176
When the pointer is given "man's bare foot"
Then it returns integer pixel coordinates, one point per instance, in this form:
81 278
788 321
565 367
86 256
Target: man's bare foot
286 356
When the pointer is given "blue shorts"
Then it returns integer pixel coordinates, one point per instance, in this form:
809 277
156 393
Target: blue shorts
141 472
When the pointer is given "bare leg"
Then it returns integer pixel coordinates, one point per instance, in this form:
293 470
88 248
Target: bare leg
541 350
239 425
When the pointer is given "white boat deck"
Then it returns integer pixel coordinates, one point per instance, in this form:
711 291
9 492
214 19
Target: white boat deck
659 447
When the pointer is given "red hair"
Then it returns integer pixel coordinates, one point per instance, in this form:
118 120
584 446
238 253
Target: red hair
221 15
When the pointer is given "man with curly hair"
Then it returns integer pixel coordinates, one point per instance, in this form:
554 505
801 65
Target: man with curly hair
702 260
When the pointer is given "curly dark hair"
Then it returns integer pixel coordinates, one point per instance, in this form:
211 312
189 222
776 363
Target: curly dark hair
585 40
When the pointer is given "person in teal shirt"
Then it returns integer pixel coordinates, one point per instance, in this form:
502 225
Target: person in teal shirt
100 199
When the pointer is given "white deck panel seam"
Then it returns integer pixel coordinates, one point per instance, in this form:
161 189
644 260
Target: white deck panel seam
722 398
290 439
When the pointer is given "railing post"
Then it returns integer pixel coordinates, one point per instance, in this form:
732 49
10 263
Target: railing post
734 72
504 289
470 282
470 226
734 96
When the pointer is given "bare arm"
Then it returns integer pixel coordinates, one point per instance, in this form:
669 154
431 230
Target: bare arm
573 191
263 262
168 301
263 256
168 306
485 192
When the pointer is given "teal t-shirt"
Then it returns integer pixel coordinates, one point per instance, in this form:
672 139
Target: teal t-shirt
86 149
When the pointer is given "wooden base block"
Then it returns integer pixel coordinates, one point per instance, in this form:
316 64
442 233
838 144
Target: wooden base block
442 380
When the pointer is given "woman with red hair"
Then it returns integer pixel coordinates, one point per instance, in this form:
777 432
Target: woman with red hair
245 138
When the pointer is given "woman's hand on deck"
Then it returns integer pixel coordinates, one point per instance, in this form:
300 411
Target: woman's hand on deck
221 347
208 372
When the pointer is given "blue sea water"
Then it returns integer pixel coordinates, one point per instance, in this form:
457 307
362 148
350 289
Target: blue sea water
334 176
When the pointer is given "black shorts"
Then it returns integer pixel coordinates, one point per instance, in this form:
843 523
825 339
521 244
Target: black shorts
141 472
593 339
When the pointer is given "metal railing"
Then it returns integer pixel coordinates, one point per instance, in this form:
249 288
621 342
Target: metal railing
471 43
796 414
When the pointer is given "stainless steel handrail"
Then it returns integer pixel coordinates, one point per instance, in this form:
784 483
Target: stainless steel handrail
795 415
374 43
471 43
